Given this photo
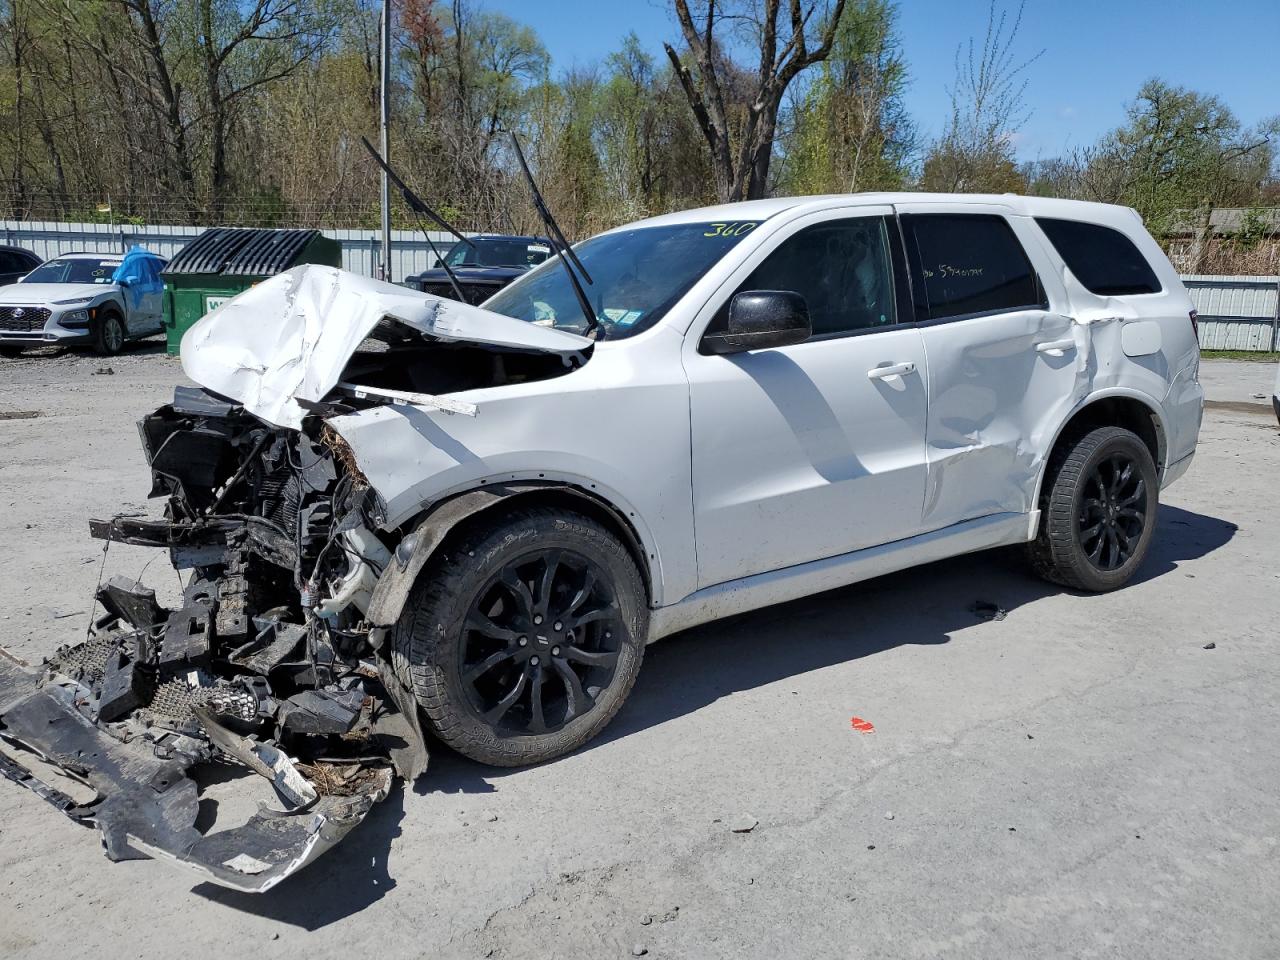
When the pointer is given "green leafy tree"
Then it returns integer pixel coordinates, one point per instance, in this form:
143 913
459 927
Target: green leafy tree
850 130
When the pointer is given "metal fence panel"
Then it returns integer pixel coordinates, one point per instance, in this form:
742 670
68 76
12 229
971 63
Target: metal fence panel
1236 313
361 249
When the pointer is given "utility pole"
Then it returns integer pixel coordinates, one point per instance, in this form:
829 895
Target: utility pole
384 144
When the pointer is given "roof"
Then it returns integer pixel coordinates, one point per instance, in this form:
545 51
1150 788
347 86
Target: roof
1226 220
86 255
764 209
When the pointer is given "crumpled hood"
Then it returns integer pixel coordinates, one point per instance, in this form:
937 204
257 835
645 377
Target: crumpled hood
290 337
37 293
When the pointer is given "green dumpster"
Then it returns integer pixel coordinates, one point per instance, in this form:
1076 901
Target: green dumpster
224 261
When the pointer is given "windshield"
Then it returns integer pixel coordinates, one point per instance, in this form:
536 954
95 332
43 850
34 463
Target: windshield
498 253
74 270
638 276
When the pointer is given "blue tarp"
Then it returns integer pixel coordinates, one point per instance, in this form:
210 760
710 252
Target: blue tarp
142 268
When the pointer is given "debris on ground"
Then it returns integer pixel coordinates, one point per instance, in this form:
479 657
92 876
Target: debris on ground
862 726
743 823
104 372
639 950
270 660
1209 646
19 414
888 816
986 610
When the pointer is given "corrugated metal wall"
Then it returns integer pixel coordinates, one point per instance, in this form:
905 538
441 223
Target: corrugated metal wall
410 253
1236 313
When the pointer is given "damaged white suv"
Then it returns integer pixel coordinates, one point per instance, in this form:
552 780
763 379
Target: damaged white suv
502 505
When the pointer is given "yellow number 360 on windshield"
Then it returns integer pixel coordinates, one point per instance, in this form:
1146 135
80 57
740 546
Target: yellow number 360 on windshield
735 229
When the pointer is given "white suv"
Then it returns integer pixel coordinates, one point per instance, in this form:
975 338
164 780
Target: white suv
390 501
773 398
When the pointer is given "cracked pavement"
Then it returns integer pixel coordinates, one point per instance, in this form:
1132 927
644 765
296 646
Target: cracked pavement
1081 778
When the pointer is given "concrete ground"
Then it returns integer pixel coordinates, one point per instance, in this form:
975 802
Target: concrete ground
1083 778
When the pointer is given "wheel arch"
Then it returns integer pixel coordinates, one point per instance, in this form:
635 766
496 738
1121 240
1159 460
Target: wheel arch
432 528
1119 408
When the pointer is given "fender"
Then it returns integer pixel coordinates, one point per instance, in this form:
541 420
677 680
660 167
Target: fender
391 592
1153 407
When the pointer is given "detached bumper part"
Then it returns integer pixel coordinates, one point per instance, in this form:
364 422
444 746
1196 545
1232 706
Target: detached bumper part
146 805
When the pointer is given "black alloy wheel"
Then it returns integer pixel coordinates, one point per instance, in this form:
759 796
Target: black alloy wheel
524 634
1097 509
1112 511
540 642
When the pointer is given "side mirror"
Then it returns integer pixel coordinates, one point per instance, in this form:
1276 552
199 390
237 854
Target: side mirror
760 320
438 264
129 280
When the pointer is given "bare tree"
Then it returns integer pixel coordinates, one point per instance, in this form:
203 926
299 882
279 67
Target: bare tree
988 107
744 173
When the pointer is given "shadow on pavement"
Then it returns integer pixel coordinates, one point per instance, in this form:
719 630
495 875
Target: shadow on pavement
690 670
344 881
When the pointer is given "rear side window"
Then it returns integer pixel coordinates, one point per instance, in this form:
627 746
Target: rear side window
965 264
1104 260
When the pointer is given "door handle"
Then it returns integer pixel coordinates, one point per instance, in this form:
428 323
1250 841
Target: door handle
892 370
1056 348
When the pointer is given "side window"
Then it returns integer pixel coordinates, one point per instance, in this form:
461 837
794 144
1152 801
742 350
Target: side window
10 262
842 268
964 264
1104 260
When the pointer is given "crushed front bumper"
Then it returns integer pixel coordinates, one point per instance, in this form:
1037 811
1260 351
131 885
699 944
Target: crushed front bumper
144 801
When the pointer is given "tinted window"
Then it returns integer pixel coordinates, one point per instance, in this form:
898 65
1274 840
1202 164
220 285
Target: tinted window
964 264
841 268
1104 260
10 262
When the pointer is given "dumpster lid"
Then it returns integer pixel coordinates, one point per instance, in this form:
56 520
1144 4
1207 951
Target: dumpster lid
241 252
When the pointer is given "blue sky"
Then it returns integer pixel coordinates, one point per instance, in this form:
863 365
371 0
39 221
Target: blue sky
1097 53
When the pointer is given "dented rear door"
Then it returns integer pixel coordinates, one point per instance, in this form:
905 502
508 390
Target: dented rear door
1001 351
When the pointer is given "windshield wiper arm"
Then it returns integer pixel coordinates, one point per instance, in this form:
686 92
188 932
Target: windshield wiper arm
558 243
418 207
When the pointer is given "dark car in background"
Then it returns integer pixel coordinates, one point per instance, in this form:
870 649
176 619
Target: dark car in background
16 263
483 268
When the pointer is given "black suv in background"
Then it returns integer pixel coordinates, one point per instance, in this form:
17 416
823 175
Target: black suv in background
483 269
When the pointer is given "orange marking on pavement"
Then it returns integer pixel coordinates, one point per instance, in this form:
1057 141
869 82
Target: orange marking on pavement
862 726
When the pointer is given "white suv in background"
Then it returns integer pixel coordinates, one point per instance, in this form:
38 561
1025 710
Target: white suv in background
84 299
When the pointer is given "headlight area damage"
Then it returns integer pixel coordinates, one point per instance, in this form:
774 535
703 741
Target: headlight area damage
271 660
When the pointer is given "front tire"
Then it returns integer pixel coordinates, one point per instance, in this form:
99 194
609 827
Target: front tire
1098 512
109 336
525 636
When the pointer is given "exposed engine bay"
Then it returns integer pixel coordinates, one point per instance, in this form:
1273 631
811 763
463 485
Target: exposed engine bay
272 660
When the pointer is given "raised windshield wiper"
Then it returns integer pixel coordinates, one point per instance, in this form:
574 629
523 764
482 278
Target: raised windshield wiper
559 244
418 208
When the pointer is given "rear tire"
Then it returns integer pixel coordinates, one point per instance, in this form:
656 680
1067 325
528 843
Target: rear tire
524 636
108 338
1098 511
